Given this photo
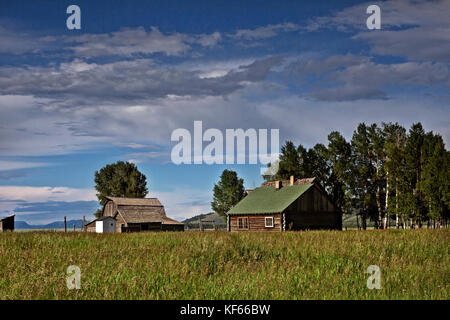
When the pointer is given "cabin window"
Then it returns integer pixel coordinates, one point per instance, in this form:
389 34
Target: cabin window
269 222
242 223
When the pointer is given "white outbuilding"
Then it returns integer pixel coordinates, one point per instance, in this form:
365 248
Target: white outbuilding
102 225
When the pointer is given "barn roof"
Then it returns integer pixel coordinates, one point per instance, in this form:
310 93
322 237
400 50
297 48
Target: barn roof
8 217
167 220
136 201
146 215
268 199
141 215
142 210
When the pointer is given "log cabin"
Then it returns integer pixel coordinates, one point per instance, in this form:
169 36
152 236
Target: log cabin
301 204
136 214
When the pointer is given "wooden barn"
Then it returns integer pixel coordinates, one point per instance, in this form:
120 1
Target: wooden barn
7 223
285 205
137 214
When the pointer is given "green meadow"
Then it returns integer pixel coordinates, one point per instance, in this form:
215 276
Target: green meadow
414 264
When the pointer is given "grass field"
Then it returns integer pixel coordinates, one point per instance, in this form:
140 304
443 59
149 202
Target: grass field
218 265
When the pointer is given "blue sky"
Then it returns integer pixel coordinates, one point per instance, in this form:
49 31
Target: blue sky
72 101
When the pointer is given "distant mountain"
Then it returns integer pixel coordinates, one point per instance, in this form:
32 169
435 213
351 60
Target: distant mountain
21 225
52 225
212 216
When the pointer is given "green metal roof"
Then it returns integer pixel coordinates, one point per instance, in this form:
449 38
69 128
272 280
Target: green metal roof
265 200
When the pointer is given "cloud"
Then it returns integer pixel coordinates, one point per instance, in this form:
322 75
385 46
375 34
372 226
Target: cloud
185 201
47 204
45 212
129 41
41 131
264 32
39 194
22 42
126 42
133 145
417 44
351 77
257 106
77 106
18 169
309 122
416 30
349 93
57 208
135 80
13 165
14 174
161 156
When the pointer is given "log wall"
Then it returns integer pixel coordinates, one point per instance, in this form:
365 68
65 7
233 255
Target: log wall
256 222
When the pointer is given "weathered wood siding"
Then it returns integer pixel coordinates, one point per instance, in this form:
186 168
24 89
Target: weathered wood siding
91 227
256 222
110 209
7 224
313 210
121 224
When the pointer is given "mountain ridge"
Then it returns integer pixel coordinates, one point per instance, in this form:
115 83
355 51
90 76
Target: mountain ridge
52 225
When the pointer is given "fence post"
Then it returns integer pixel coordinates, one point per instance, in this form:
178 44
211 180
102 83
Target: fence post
65 224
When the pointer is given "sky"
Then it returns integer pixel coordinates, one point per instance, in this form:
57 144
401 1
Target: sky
72 101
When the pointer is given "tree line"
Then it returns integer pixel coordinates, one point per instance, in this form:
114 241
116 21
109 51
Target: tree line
382 172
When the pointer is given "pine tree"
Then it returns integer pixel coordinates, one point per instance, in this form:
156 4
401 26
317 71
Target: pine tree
363 171
339 155
319 166
435 177
289 164
413 174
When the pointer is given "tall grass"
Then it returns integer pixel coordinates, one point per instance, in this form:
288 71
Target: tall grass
218 265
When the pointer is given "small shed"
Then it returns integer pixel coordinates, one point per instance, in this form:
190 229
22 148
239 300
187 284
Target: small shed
102 225
7 223
105 225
